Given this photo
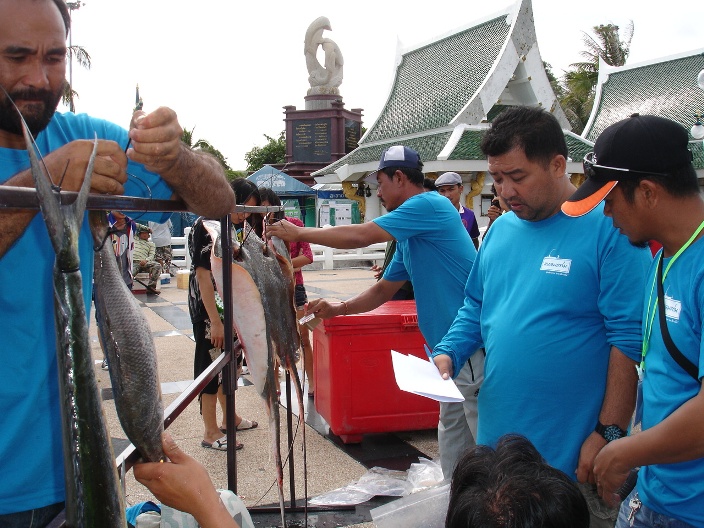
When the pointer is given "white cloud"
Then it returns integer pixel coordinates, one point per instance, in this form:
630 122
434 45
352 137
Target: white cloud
228 68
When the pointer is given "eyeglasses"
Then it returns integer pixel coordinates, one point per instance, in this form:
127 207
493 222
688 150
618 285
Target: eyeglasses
590 172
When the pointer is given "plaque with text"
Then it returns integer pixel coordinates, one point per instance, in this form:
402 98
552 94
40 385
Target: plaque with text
353 131
312 140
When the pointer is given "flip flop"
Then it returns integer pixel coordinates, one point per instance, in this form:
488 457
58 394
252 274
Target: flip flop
243 426
247 424
220 445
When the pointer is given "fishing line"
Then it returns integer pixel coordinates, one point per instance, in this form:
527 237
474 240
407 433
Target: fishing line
111 231
149 191
283 464
62 176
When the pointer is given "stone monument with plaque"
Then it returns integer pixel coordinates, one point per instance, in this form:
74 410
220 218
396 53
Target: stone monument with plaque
325 131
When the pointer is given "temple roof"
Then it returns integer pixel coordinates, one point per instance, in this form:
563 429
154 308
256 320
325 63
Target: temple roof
665 87
455 81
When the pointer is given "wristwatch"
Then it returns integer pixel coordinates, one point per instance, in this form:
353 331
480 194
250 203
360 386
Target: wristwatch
609 432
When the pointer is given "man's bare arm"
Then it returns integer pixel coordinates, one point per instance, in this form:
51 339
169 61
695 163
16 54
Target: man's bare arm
617 408
371 298
196 177
341 237
678 438
67 166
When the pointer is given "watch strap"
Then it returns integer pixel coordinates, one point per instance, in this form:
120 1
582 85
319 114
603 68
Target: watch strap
609 432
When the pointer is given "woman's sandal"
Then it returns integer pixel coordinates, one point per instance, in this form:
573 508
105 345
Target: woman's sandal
220 445
247 424
243 426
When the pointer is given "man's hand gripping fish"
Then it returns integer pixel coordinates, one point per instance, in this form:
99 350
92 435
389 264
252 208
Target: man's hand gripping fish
264 317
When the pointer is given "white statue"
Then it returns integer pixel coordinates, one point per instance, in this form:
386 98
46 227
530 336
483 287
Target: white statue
323 79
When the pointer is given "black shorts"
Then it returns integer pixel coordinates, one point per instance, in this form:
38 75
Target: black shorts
202 359
301 296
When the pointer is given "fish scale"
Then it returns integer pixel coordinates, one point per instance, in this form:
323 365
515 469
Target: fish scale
129 349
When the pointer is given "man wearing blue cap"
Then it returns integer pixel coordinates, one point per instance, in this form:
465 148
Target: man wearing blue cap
642 168
434 252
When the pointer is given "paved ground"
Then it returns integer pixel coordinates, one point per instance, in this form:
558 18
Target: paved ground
331 464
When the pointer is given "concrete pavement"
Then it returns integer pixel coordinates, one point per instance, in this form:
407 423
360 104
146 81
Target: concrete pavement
331 464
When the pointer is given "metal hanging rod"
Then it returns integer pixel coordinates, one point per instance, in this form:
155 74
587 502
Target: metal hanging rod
26 198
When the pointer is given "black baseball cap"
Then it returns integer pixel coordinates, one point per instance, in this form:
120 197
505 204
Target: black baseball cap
636 146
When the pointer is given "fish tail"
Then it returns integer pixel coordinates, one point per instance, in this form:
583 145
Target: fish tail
302 424
63 221
275 433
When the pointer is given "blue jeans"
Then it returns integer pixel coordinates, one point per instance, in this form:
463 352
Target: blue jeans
645 517
38 518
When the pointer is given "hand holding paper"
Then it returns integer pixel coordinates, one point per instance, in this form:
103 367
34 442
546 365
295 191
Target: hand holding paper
421 377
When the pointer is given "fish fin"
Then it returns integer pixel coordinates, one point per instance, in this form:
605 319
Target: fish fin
62 227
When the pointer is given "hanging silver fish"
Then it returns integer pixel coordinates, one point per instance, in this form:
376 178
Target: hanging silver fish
129 348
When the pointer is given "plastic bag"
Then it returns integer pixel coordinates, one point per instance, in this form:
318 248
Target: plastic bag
381 481
346 496
425 474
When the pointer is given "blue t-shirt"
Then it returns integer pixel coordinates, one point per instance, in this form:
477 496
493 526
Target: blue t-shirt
548 299
676 490
434 252
30 443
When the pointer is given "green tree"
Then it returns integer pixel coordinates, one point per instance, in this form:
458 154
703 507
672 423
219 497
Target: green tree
270 154
580 81
205 146
554 81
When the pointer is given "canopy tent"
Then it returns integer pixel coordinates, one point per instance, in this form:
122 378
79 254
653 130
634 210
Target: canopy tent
280 182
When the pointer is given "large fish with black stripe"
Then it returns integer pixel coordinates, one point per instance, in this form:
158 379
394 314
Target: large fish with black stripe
93 496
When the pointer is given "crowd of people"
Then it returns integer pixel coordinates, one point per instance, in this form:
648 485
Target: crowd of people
561 331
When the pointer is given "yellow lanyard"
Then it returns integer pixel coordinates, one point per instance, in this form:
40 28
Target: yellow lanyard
652 304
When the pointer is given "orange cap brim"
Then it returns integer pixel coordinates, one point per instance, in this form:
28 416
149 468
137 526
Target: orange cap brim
585 205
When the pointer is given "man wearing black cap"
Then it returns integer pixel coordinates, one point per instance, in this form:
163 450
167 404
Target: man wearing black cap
551 298
642 168
434 252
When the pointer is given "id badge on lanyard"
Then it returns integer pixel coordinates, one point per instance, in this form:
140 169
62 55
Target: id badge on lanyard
638 415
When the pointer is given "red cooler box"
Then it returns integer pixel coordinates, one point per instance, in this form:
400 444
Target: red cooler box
355 388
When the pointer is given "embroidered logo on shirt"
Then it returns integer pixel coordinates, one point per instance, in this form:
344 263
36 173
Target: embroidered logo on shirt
673 308
556 265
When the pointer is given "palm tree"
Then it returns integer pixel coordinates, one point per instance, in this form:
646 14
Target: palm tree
580 81
77 52
83 59
205 146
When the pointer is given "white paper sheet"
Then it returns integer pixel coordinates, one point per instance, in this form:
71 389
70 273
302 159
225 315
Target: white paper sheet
421 377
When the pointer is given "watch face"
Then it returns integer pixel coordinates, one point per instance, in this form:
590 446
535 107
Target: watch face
612 432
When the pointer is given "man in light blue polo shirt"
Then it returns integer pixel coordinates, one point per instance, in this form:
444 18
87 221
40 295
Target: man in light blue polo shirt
552 300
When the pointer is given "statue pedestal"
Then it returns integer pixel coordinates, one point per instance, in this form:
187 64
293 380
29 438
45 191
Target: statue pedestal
321 101
322 133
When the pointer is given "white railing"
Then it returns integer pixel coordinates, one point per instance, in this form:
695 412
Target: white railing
324 254
328 255
180 256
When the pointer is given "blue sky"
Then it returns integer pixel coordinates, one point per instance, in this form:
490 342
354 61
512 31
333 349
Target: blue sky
228 68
